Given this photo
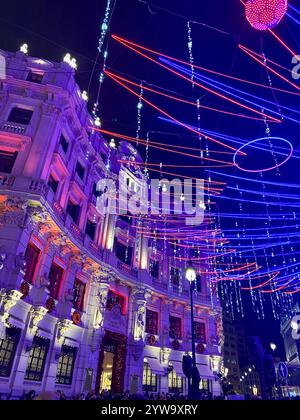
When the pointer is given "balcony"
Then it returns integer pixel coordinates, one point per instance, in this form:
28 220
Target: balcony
23 184
15 128
59 211
6 180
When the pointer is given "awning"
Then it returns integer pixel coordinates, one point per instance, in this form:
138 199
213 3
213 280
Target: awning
205 371
177 365
155 366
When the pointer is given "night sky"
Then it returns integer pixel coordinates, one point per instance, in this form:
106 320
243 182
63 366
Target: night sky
54 28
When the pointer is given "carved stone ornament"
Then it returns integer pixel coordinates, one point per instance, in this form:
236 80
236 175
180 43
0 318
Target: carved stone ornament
8 301
37 314
101 300
137 348
63 326
139 327
165 355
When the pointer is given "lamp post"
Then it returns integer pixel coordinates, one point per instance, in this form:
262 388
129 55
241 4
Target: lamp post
190 275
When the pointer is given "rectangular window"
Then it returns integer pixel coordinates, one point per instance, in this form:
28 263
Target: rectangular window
20 116
7 161
149 379
175 276
90 229
199 284
123 252
80 170
32 255
126 218
154 269
37 359
8 347
175 328
151 322
55 279
53 183
78 294
66 364
35 77
64 143
74 211
200 333
95 192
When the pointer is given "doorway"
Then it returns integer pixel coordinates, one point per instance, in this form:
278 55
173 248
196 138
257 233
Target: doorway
112 361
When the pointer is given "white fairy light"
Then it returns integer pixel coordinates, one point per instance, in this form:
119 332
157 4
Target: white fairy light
71 61
24 48
97 122
84 96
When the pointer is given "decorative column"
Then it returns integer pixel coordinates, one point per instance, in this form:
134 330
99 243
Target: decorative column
136 342
187 343
165 340
8 299
143 250
94 333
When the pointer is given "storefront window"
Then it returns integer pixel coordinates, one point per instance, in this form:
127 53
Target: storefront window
37 359
175 383
149 379
8 346
66 364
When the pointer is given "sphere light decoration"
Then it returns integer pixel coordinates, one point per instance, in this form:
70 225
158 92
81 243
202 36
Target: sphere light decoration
265 14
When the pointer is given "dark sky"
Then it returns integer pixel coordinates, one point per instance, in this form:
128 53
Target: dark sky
53 28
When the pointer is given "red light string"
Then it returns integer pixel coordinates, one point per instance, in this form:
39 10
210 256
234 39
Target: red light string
128 45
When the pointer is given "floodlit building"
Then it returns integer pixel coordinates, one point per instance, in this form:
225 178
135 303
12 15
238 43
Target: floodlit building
291 338
87 300
241 371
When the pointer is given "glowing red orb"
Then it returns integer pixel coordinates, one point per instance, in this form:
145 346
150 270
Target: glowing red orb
265 14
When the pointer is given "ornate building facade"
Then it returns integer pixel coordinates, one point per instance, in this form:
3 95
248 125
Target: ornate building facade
86 301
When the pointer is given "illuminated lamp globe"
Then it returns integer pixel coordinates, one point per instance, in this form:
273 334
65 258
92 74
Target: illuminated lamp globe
265 14
190 274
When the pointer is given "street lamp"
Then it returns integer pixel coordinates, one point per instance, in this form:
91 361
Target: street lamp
191 275
273 346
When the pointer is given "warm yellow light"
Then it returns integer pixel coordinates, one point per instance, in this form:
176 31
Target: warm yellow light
190 274
24 48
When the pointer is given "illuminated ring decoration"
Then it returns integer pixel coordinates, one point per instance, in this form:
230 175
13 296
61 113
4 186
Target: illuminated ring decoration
264 169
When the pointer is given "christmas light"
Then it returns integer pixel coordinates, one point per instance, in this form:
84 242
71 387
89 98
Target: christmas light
265 14
24 48
263 169
84 96
105 25
70 60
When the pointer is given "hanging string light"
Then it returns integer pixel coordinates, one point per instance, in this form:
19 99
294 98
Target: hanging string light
105 25
190 48
139 114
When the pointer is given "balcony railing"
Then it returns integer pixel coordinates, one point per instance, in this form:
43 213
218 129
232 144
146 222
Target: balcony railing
76 232
127 269
60 212
24 184
7 180
15 128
